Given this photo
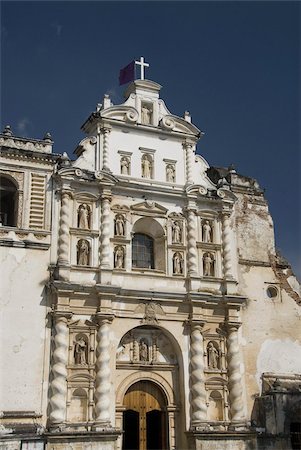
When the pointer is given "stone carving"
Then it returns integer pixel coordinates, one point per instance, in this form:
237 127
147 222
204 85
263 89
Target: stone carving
170 173
125 166
146 166
207 231
83 252
143 351
146 114
208 264
191 236
105 252
150 313
234 383
84 216
119 225
103 373
63 243
119 257
212 356
198 392
226 236
178 263
80 348
59 371
177 232
105 154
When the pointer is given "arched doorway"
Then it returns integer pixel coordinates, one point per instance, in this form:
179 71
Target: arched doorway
145 418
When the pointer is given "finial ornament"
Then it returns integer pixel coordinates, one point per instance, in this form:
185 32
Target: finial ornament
142 65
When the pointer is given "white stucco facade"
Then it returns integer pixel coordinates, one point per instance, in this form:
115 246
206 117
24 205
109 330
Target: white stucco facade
141 290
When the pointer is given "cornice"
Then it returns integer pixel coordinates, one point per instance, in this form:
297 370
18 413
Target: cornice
31 155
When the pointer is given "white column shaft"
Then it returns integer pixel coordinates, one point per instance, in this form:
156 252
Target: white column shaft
234 383
198 392
226 237
105 233
103 375
59 372
64 238
191 238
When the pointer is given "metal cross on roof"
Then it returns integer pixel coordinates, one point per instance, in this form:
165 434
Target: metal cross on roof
142 65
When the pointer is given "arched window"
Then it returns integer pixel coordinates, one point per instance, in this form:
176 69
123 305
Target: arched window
143 251
8 202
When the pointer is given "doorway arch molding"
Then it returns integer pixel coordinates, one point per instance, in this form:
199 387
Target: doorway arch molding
158 380
145 376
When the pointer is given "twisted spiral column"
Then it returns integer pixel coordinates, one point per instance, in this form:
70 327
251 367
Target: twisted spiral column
105 232
64 238
105 149
197 384
234 383
189 153
59 371
103 374
226 237
191 244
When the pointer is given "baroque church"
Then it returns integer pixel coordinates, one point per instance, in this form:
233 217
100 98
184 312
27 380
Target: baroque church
144 306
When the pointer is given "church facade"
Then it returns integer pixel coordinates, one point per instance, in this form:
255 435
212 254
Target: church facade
144 304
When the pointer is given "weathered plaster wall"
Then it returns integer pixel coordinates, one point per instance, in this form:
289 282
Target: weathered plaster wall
23 331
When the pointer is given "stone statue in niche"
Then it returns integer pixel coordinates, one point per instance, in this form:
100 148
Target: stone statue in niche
119 257
176 232
213 356
125 166
84 216
170 173
146 166
119 225
80 347
146 114
83 252
207 231
177 263
208 261
143 351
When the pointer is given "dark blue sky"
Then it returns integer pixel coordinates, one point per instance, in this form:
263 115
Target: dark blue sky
234 65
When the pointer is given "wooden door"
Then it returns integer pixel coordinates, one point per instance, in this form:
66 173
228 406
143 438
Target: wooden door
148 401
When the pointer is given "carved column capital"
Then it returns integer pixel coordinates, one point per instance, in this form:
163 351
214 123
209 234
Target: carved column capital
101 318
106 129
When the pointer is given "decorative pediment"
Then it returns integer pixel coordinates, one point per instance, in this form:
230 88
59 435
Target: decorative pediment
175 123
176 216
149 208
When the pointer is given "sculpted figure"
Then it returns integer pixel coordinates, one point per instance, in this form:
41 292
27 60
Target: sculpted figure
83 216
143 351
146 167
146 115
213 356
83 250
208 264
119 225
80 351
119 257
207 231
177 263
125 166
170 173
176 232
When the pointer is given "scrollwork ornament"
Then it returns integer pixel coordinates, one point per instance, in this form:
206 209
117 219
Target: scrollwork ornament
202 190
131 116
78 172
168 123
